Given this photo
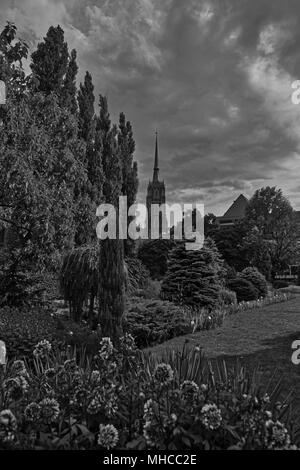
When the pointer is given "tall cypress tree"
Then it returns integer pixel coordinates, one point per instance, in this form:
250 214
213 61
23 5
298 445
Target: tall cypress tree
69 84
87 124
129 169
90 194
50 61
86 100
111 266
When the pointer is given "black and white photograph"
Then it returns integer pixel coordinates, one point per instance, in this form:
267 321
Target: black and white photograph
149 230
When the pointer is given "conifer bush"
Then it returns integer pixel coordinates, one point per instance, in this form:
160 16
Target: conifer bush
154 321
245 290
257 279
154 254
194 278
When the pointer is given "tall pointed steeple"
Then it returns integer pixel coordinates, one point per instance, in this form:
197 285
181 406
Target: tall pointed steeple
156 168
156 193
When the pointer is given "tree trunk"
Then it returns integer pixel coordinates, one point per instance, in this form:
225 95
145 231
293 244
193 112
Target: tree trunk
111 288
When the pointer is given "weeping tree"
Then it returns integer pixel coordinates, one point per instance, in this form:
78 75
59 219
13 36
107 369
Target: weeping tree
79 280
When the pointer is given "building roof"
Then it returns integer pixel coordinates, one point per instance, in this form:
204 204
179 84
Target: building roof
238 208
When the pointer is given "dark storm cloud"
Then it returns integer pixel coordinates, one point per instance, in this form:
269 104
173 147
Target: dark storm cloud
213 76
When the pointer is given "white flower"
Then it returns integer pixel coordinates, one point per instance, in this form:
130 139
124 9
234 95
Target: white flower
163 373
211 416
108 436
42 349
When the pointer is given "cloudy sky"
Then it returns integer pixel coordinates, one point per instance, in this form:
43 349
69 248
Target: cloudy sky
213 76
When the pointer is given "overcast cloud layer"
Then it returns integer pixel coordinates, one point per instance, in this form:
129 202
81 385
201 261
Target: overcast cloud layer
213 76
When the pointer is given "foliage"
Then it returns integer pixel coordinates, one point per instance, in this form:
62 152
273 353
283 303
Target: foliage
227 297
194 278
90 134
270 216
229 244
154 321
209 224
151 291
40 164
272 298
22 285
244 289
13 52
138 278
126 146
50 62
79 279
22 328
279 284
154 254
111 286
257 251
257 279
126 400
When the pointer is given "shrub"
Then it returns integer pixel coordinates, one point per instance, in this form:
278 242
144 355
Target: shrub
21 329
21 284
280 284
154 321
227 297
245 290
194 277
79 279
123 399
154 254
257 279
138 277
151 291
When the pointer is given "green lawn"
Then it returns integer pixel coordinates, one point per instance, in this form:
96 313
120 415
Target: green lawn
256 337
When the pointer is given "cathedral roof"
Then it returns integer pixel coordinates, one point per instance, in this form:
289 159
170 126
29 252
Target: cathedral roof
237 208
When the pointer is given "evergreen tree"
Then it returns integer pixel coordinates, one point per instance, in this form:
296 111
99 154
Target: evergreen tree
129 170
50 61
111 268
154 254
69 84
194 278
86 100
89 196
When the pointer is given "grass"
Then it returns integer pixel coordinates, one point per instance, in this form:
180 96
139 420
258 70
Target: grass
244 332
261 337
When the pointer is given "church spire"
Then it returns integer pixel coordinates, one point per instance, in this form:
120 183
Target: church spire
156 169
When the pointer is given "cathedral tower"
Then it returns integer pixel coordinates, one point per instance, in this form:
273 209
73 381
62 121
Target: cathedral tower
155 191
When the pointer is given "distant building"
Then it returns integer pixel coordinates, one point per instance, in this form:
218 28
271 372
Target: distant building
234 214
156 191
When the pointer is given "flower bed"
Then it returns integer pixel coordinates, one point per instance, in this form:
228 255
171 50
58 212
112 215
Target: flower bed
124 399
